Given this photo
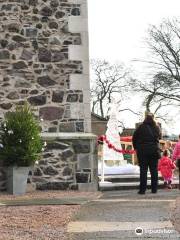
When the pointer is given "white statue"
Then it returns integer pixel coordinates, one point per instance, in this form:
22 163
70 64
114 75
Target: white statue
112 135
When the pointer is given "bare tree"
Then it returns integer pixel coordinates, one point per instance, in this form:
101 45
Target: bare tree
152 101
164 44
161 88
108 81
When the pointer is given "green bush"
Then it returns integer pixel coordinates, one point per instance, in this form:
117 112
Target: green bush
20 139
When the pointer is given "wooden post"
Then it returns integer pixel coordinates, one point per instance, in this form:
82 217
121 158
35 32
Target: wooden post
100 156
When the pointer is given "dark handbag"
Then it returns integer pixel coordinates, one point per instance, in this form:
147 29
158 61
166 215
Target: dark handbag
158 148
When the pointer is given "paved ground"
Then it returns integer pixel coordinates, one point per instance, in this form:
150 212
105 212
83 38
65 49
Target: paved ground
117 214
176 215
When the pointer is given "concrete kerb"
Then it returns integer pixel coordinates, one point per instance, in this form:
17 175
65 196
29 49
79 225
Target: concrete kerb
70 200
37 202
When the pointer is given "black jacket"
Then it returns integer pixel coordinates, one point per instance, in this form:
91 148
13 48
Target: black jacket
146 135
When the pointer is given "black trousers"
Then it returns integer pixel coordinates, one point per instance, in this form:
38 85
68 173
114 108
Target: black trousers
148 161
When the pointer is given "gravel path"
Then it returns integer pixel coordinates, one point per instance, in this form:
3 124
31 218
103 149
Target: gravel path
35 222
38 222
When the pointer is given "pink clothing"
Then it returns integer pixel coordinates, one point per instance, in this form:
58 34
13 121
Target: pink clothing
176 152
166 166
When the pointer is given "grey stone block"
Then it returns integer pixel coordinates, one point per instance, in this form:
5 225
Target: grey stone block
38 172
57 145
67 127
2 174
80 126
31 32
46 11
82 177
6 106
3 186
37 100
67 172
51 113
4 54
67 153
84 161
17 180
45 81
50 170
20 65
88 187
56 185
58 96
81 146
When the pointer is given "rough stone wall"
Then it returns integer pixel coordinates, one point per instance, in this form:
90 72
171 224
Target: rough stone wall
2 179
67 163
37 63
44 60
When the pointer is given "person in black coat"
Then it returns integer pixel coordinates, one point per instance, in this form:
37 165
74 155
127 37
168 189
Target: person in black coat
146 143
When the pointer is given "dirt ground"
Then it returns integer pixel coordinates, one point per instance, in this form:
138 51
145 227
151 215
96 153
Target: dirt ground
35 222
38 222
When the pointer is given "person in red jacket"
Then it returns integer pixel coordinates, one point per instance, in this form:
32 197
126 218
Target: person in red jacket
166 166
176 156
176 151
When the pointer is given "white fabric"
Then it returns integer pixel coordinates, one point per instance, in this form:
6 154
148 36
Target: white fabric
125 169
112 134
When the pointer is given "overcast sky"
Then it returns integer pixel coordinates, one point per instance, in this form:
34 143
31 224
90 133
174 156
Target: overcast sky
117 28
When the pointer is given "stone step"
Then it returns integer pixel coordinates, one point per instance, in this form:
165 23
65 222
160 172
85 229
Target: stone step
111 186
124 178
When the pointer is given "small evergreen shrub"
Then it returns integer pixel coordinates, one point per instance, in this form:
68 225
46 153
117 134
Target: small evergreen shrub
20 138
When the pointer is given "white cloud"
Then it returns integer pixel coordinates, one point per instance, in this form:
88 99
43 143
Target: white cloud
118 27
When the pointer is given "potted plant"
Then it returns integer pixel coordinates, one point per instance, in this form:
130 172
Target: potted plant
20 147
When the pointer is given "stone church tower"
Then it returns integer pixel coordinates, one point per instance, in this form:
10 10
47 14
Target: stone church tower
44 60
